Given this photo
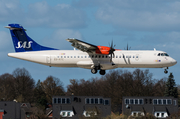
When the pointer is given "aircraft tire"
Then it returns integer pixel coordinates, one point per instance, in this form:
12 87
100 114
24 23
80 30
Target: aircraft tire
165 71
102 72
94 70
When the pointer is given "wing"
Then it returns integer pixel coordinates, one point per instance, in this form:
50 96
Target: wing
83 46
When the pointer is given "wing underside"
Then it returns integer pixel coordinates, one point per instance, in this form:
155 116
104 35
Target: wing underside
83 46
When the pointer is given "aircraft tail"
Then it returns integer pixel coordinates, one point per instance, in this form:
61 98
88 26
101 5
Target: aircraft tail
22 42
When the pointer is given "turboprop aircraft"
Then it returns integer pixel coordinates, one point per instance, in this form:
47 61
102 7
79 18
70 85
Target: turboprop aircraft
87 56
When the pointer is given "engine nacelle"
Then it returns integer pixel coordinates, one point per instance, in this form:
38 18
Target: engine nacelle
103 50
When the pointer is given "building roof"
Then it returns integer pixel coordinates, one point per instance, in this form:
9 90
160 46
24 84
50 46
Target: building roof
137 108
67 107
159 108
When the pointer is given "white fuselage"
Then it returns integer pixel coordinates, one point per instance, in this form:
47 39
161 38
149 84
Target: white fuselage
76 58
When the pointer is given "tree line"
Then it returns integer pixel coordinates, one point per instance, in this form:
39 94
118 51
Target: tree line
117 83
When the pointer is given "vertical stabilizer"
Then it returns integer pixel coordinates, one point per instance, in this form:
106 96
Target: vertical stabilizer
22 42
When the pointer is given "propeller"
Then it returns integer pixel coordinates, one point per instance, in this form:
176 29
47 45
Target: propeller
111 51
128 48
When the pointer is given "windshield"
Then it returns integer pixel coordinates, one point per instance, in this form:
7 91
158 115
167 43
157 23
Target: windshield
162 54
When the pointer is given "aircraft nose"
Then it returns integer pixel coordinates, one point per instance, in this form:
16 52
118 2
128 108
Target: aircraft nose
173 61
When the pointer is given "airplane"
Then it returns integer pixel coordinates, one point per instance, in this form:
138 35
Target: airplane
88 56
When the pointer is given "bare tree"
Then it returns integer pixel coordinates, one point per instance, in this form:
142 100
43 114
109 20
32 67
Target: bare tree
52 86
40 95
23 85
6 87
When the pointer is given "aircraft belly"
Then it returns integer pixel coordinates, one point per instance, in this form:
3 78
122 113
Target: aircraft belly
64 65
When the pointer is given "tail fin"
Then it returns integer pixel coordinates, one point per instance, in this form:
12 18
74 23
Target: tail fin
22 42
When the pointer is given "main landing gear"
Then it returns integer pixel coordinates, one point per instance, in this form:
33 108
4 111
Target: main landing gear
165 70
95 69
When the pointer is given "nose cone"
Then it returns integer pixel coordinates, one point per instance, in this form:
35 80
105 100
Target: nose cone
173 61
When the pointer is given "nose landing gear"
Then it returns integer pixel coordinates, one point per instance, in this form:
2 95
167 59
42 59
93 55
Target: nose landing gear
165 70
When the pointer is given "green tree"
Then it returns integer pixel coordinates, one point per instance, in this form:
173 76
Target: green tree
171 89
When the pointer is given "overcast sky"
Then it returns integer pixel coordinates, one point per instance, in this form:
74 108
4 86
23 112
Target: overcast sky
143 24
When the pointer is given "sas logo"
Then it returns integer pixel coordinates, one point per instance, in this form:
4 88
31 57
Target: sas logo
24 44
157 60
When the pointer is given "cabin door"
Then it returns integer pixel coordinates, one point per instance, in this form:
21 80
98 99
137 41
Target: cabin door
48 59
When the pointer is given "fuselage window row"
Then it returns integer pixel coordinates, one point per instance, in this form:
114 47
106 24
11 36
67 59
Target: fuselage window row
97 56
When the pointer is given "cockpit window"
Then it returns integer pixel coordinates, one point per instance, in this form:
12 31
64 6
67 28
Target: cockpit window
162 54
165 54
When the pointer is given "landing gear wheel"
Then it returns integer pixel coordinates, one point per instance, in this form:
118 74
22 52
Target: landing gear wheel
94 70
165 71
102 72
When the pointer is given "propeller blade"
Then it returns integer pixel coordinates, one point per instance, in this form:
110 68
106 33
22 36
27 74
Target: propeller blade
111 51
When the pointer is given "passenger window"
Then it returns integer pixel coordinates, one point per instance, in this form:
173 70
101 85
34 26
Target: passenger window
95 56
61 56
84 56
102 56
129 56
67 56
126 56
136 56
120 56
77 56
81 56
64 56
99 56
116 56
71 56
133 56
92 56
106 56
74 56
